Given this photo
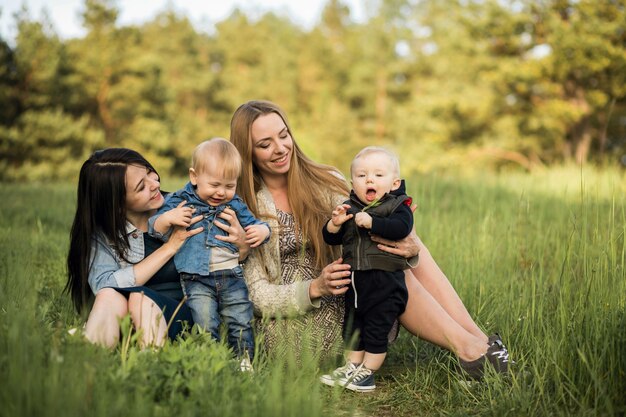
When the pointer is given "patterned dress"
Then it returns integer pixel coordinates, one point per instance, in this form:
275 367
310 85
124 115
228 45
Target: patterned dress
318 331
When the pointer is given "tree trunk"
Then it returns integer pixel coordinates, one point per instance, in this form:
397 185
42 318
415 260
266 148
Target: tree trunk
581 138
381 103
605 118
583 146
580 133
103 106
528 163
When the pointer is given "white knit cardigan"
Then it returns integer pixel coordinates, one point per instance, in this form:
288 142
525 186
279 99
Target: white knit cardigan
262 270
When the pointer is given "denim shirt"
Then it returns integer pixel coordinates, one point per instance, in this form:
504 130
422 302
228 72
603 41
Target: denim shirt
107 269
194 257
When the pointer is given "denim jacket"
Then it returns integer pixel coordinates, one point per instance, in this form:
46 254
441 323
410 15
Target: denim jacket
194 257
107 269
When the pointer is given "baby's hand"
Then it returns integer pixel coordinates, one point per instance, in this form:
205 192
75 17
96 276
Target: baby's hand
256 234
363 219
340 215
179 216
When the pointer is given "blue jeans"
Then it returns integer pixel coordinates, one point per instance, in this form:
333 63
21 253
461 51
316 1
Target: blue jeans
222 295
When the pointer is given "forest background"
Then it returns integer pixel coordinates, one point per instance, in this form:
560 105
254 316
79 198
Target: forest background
534 91
447 83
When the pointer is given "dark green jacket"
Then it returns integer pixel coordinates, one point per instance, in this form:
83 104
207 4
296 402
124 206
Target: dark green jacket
391 219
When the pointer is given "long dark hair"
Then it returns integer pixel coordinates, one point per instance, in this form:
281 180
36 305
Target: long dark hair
100 208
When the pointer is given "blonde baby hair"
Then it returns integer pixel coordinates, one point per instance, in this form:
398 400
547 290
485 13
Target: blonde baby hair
218 155
393 158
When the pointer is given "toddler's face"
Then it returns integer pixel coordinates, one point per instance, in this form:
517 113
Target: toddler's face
373 176
212 188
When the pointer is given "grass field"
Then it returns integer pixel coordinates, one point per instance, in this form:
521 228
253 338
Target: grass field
539 258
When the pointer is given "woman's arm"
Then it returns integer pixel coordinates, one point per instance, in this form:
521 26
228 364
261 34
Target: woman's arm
332 281
150 265
272 299
408 248
107 271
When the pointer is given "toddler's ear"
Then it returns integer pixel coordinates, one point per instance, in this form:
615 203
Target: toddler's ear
193 177
396 184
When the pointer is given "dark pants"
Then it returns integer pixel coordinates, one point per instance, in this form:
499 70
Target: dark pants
373 303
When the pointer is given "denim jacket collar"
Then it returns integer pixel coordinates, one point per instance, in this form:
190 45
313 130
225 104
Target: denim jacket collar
130 228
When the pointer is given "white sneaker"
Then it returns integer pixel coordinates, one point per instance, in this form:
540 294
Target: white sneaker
245 365
361 380
339 374
78 330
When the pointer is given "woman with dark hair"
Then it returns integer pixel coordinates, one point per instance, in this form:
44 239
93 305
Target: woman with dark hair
298 278
114 266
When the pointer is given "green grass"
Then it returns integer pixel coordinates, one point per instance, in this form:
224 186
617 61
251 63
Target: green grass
538 257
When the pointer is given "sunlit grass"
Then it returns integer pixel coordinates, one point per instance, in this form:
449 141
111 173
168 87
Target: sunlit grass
538 257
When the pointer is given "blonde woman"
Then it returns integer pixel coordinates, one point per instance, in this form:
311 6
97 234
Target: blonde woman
296 281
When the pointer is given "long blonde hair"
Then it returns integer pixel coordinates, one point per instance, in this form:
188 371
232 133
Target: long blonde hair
308 183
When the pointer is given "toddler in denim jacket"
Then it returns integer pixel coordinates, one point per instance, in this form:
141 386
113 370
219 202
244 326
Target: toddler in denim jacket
211 276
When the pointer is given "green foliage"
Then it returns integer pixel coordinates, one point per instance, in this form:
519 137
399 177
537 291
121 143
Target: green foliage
47 144
40 60
8 82
548 75
447 83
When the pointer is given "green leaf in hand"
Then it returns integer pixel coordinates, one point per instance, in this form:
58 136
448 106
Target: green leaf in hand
373 204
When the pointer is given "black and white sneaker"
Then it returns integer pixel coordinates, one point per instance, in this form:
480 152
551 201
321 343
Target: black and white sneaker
343 373
493 338
362 380
497 355
496 338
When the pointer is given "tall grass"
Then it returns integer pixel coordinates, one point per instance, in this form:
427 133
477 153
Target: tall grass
539 258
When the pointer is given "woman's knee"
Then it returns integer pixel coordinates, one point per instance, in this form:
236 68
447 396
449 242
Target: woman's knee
102 326
142 307
135 301
111 301
148 319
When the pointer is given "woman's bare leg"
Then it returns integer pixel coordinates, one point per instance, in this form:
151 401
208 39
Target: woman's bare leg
148 318
426 318
436 283
103 326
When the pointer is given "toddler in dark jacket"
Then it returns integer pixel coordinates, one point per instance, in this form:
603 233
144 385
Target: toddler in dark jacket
378 205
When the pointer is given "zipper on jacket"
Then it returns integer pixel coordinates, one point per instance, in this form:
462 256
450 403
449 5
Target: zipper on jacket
354 289
357 252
